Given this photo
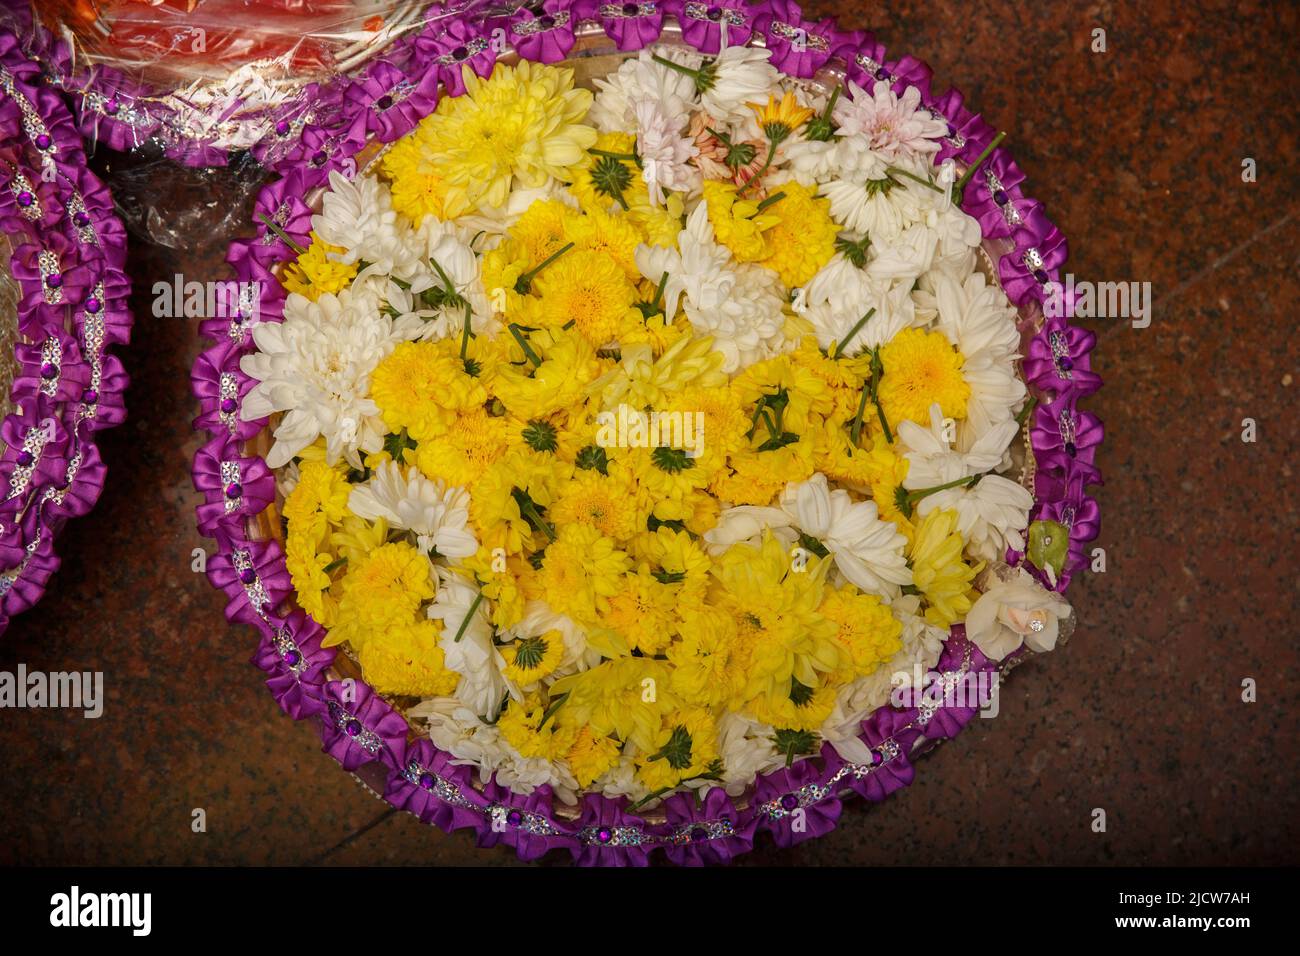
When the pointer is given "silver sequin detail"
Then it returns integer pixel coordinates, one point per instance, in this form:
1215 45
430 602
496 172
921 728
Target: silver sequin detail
793 34
527 28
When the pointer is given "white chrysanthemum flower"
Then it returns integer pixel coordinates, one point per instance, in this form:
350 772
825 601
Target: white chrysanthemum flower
473 654
621 780
747 750
840 294
438 515
358 215
457 730
315 367
992 512
865 549
882 207
739 75
740 305
665 153
641 78
903 257
747 523
895 126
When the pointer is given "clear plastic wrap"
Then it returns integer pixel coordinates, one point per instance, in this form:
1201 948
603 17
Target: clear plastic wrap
210 83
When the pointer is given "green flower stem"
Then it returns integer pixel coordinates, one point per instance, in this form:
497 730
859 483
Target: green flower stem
281 234
821 128
857 327
774 198
702 82
551 709
460 631
856 430
1027 411
524 282
465 334
970 170
529 511
877 372
626 157
523 344
913 498
335 565
895 171
772 142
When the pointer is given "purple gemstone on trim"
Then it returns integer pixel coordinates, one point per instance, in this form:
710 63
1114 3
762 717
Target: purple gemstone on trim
292 657
24 458
1000 198
25 198
789 801
1066 363
604 834
1071 449
319 159
111 107
228 406
698 834
384 102
714 13
630 9
81 219
248 575
54 280
883 74
282 128
49 370
547 21
460 53
514 818
90 396
234 490
43 142
1041 276
875 758
92 304
352 728
426 781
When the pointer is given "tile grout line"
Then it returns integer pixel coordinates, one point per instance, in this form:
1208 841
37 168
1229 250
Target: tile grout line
1208 270
353 836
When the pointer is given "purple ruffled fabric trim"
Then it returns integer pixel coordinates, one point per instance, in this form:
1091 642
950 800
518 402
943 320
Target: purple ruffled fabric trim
69 251
791 804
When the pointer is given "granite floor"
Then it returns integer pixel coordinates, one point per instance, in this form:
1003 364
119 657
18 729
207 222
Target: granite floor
1137 153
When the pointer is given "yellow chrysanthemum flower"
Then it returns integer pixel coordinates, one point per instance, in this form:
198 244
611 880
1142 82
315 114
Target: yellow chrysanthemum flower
627 697
938 570
407 661
921 368
417 191
465 452
520 126
803 238
676 558
802 708
778 119
614 504
607 177
613 236
529 659
498 577
780 637
581 570
521 727
591 756
318 501
515 478
544 229
685 747
568 366
659 224
311 582
423 386
868 632
313 273
589 290
643 611
381 592
703 671
739 224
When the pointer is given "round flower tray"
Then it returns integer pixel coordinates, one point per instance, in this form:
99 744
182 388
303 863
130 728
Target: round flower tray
1022 253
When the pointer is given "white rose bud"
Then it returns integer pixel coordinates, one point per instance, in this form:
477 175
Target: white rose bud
1015 612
